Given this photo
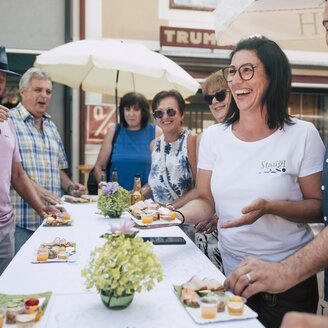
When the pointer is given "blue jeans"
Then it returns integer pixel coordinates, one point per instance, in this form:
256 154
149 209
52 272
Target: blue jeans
21 237
6 245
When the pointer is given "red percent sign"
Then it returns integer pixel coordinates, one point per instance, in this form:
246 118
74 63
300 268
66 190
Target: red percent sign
98 118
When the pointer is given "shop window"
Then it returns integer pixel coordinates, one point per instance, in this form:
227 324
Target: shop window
10 97
313 108
207 5
307 105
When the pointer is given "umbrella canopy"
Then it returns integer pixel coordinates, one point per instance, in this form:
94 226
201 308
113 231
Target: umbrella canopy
106 66
293 24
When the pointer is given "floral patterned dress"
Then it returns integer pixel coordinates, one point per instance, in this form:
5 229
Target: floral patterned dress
170 174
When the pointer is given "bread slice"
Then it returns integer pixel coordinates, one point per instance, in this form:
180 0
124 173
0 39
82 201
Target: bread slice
189 297
195 283
213 285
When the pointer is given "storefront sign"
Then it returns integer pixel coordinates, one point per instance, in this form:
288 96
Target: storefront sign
188 37
98 118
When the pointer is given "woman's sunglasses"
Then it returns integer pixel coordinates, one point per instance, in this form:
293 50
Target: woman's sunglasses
219 96
160 113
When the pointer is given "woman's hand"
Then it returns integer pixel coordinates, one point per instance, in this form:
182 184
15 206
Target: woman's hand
207 226
4 113
252 212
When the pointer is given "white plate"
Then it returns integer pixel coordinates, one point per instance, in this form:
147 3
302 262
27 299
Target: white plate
155 224
70 258
68 223
221 316
86 199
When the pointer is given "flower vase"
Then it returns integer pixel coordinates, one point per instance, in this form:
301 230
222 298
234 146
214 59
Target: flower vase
113 200
116 303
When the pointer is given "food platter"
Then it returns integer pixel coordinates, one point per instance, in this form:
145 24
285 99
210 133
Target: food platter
148 214
57 251
154 224
84 199
58 220
23 310
225 308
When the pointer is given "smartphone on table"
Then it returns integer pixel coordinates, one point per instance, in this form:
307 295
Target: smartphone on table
166 240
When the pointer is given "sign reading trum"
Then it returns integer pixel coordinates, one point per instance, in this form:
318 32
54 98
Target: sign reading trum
188 37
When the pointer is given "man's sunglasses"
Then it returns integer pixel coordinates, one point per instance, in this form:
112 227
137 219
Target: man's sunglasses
219 96
160 113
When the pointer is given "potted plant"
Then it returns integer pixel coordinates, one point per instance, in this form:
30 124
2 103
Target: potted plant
124 265
113 199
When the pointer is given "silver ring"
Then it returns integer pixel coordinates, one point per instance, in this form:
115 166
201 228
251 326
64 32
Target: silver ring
249 278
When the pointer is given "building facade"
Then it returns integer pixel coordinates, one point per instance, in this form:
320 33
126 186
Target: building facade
179 29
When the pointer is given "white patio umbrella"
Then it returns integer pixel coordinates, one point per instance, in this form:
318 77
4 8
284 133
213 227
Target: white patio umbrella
109 66
293 24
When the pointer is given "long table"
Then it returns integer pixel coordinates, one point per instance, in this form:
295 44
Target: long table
71 305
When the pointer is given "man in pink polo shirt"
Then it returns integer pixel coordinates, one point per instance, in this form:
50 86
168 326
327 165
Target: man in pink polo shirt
12 173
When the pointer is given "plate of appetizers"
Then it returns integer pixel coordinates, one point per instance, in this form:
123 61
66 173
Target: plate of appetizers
58 220
84 199
23 310
147 214
57 251
206 301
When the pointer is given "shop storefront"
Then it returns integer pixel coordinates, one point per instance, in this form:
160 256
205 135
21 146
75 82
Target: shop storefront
177 29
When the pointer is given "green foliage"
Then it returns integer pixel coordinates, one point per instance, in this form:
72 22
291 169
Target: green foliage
112 205
123 265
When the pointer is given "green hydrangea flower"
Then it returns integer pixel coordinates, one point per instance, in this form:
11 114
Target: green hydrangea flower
124 265
113 200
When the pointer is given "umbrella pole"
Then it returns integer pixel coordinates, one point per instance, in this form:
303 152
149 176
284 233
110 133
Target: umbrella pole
116 96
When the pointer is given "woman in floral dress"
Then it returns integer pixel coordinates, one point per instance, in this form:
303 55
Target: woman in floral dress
173 165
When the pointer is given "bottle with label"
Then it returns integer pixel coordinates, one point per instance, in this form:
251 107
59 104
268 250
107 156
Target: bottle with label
103 181
136 195
114 175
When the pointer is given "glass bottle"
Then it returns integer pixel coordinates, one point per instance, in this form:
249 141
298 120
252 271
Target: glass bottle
103 181
114 175
136 195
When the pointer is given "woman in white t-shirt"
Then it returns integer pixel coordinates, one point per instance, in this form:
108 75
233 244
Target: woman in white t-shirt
260 172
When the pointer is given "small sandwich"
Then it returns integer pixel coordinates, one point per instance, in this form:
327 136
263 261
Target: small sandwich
195 283
143 207
213 285
138 208
189 297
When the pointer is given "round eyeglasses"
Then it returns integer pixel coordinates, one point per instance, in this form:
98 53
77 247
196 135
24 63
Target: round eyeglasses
159 113
246 72
219 96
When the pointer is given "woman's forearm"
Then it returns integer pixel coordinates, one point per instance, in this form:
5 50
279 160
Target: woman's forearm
187 197
197 210
303 211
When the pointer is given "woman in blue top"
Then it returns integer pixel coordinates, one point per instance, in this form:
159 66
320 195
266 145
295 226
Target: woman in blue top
131 150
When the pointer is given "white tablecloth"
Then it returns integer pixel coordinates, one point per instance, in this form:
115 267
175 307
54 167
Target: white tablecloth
73 306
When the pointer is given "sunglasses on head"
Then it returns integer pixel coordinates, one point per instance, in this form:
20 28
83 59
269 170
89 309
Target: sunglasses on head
159 113
219 96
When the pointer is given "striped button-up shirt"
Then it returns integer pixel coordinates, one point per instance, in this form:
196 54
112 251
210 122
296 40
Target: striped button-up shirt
43 156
